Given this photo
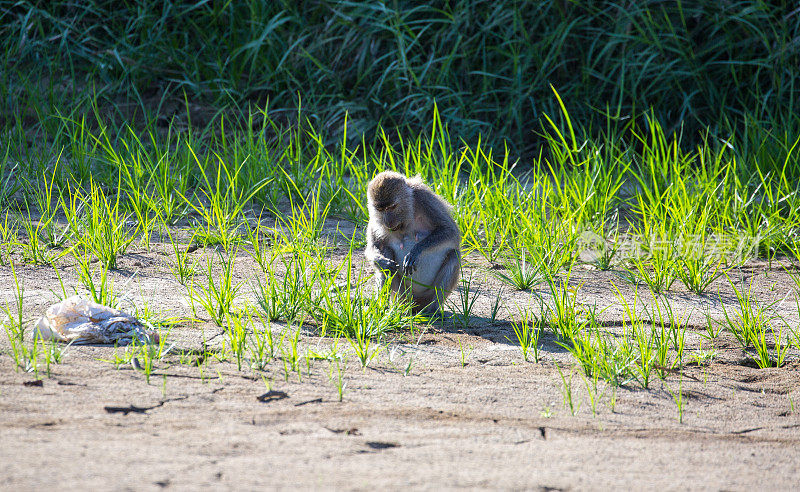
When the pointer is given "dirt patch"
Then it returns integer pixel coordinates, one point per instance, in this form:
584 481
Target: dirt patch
447 408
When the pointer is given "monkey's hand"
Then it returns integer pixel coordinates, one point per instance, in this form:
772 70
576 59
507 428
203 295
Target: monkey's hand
387 264
410 262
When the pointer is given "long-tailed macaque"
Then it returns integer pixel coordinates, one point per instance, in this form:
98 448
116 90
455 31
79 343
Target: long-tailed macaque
412 240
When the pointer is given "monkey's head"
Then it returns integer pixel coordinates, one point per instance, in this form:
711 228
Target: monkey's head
390 200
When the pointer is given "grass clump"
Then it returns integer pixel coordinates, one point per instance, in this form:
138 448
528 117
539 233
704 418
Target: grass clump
526 332
754 323
349 308
217 291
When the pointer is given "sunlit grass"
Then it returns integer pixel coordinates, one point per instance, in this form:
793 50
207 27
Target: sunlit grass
293 209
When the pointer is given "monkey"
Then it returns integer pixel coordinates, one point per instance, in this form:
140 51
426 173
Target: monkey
412 240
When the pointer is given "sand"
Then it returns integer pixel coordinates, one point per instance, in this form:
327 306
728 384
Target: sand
447 408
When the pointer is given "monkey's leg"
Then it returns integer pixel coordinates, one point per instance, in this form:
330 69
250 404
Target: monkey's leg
443 284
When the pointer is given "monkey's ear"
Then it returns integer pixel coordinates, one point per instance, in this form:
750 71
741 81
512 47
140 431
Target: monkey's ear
416 179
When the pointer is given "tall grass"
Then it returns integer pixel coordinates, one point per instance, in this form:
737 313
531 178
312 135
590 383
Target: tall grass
686 214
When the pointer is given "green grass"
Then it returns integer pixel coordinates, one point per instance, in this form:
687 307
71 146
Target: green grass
667 214
96 282
620 137
345 306
217 290
675 218
758 329
462 302
24 357
526 332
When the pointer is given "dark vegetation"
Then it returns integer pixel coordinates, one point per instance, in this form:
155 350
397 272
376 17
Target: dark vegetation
730 67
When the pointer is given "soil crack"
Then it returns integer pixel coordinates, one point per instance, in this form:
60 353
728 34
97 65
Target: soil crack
136 409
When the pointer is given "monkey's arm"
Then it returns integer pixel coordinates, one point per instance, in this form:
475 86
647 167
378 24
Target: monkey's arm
445 233
379 254
439 238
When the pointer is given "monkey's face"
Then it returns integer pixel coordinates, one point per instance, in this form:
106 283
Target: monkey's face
394 216
391 201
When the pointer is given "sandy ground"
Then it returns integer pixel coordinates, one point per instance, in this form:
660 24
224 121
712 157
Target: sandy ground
493 422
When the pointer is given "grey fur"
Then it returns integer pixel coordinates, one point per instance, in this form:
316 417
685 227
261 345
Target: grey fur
400 211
